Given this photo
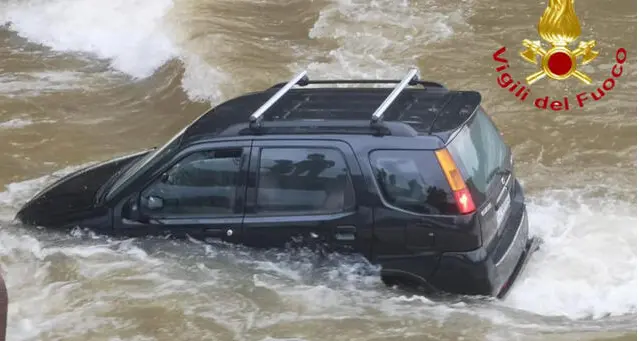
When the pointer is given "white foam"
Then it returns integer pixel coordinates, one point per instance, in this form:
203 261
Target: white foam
38 303
201 81
15 123
587 267
34 84
128 33
377 39
37 83
135 37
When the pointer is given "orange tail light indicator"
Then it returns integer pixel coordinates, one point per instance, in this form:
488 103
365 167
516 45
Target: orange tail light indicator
464 201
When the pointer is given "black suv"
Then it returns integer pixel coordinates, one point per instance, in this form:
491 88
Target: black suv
417 179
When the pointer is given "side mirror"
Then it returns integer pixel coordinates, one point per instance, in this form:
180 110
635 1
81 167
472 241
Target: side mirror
152 202
131 210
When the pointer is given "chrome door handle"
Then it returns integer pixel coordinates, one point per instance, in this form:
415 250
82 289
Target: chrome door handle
218 231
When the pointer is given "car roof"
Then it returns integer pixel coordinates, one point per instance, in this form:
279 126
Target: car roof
420 111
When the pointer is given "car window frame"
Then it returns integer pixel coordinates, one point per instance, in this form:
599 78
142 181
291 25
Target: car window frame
350 203
240 199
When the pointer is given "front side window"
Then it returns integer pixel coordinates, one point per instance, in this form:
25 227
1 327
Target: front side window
412 180
303 181
203 183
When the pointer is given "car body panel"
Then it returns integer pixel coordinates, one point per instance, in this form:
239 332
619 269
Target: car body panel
209 226
73 197
346 231
486 271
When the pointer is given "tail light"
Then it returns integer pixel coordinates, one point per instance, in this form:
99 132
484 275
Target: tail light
464 201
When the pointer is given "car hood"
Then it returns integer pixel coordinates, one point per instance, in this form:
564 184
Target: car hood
72 197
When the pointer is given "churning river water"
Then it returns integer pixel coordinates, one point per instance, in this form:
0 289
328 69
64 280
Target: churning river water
86 80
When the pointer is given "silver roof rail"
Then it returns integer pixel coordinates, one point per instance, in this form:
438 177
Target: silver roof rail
411 78
256 118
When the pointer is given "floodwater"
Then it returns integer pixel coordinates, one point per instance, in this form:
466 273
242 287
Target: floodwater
87 80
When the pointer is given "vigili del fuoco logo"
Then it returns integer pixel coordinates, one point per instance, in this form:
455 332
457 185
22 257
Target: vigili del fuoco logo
557 61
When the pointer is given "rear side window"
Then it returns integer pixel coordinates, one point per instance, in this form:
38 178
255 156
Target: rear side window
412 180
303 181
479 152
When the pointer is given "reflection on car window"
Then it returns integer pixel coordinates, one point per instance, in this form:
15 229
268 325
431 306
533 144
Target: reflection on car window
479 151
203 183
303 181
413 180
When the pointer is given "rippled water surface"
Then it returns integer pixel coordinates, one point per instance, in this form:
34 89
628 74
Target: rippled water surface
86 80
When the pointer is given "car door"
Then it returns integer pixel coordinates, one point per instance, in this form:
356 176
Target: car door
300 193
412 211
200 193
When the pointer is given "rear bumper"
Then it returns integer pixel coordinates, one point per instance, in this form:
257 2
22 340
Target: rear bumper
532 245
479 272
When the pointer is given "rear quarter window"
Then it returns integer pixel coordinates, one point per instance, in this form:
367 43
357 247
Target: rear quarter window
412 180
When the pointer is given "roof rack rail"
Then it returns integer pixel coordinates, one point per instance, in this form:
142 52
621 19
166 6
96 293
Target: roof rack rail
425 84
256 118
411 78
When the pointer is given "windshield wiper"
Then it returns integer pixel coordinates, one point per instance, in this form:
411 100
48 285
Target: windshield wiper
503 171
107 184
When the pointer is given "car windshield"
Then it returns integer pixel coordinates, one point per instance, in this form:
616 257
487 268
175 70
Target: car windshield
143 164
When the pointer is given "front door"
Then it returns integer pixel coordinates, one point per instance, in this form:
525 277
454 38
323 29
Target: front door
301 194
199 194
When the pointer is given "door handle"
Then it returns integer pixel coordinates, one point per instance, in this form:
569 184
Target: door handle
345 232
218 232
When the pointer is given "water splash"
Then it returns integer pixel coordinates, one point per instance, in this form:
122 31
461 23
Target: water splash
128 33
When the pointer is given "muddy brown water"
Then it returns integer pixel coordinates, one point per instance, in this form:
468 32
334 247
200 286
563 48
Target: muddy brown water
84 81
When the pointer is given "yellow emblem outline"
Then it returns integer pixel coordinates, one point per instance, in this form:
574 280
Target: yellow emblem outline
559 26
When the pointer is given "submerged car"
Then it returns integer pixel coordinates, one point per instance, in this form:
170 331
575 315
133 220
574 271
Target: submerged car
416 178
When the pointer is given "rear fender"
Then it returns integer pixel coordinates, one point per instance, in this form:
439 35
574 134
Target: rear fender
407 280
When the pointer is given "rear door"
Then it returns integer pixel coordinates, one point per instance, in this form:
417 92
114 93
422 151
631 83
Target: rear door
415 216
485 162
301 193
